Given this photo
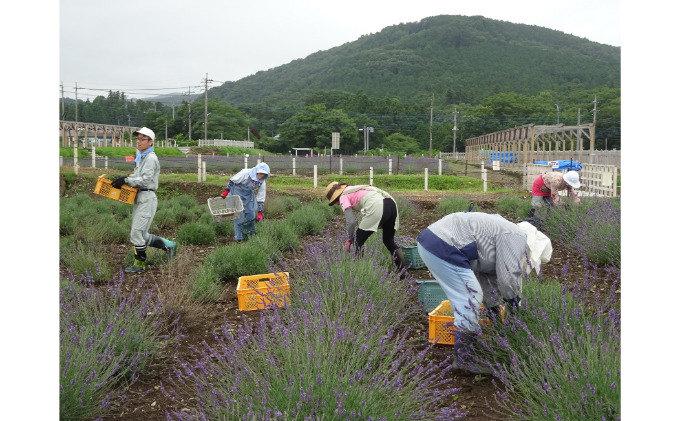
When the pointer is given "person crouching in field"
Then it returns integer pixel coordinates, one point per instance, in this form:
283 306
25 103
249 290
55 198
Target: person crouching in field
244 184
378 210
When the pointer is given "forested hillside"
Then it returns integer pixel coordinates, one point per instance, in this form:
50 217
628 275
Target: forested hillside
460 59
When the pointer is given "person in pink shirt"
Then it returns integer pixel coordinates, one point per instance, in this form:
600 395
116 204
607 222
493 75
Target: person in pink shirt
378 210
546 188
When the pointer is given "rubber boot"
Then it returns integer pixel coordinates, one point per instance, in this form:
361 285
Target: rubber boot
140 261
163 244
400 263
463 345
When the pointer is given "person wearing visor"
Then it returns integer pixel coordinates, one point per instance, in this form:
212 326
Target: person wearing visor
546 188
378 210
145 180
244 184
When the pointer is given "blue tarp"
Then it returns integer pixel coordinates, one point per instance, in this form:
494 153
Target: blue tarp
565 164
504 157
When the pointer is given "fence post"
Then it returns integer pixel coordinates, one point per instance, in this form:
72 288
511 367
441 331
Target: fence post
75 157
341 166
425 178
484 177
106 162
203 170
293 167
370 176
199 167
440 166
61 161
94 164
245 161
389 166
315 180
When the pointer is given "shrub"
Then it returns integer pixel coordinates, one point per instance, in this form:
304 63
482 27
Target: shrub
557 357
104 339
277 235
512 205
281 206
84 261
592 229
309 219
196 233
454 204
343 312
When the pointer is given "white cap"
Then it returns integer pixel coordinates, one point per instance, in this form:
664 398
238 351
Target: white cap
146 132
571 178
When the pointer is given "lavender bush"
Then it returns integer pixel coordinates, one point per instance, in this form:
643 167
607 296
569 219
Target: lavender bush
106 338
559 356
332 353
592 229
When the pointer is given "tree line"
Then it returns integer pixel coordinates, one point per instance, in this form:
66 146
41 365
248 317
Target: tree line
398 126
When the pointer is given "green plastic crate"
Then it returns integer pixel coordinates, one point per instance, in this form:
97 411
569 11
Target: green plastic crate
430 294
412 257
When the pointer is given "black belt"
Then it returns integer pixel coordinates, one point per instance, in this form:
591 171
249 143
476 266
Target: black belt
146 190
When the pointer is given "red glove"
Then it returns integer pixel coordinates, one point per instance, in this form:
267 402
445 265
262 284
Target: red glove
259 217
224 193
348 244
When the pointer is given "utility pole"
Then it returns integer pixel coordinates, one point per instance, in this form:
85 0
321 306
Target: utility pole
431 108
205 112
455 129
592 141
63 107
76 108
189 112
558 113
166 130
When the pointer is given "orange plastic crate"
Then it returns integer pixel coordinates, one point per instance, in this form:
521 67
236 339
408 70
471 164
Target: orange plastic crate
125 194
257 292
441 323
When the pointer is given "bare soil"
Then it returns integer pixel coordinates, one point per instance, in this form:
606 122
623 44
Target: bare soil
144 399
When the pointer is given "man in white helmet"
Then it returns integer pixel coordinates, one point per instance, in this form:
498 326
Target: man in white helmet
546 188
145 179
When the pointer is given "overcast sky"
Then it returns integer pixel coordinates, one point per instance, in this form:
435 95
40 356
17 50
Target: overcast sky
153 47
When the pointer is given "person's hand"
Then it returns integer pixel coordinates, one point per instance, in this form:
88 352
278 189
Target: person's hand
224 193
259 217
348 244
118 182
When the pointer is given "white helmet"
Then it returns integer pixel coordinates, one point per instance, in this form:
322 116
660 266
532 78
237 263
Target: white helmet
571 178
146 132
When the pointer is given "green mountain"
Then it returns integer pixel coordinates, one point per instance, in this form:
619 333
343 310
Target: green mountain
460 59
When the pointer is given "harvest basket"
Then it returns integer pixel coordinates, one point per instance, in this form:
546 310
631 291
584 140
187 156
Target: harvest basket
430 294
225 208
258 292
441 323
412 257
125 194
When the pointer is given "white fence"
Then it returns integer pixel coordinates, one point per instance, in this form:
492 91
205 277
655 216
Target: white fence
596 180
224 142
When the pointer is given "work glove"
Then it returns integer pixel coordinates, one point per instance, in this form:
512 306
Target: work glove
348 244
118 182
259 217
224 193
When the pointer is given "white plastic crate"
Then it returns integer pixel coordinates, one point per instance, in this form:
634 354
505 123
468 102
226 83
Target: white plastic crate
225 209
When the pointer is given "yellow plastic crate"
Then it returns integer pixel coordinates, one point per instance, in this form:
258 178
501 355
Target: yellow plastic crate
125 194
257 292
441 323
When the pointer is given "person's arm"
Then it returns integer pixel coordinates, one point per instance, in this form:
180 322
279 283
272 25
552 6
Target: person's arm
351 223
261 196
572 193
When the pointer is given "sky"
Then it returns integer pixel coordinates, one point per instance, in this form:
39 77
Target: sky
150 47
